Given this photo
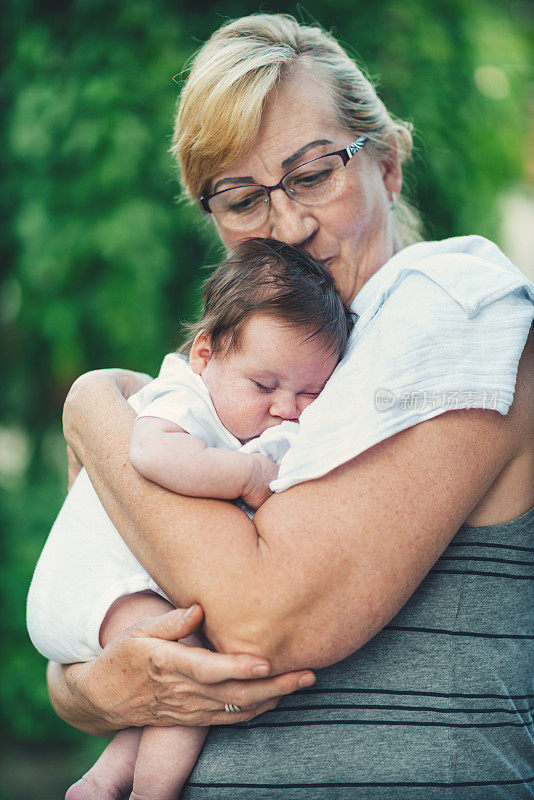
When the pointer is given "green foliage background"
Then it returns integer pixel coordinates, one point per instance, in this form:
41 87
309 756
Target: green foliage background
99 261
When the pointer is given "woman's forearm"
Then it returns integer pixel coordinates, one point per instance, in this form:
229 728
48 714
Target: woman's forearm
67 686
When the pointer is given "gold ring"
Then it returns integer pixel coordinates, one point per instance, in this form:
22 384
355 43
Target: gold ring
230 708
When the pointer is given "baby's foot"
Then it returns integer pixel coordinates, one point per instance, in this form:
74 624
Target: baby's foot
90 787
170 794
111 777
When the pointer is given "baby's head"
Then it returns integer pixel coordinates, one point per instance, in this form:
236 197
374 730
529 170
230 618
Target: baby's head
272 331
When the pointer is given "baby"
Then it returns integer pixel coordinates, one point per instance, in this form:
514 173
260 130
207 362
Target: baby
272 331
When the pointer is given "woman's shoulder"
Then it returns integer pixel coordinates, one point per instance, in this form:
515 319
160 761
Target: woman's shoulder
451 318
470 270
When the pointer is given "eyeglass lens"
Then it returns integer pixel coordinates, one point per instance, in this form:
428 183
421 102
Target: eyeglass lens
312 183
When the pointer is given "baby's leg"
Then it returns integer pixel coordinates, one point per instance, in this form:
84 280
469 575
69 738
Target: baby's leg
165 758
112 776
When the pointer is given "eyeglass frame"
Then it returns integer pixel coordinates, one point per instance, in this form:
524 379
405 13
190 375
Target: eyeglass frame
345 154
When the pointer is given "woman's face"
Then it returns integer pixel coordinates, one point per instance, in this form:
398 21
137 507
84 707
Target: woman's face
352 234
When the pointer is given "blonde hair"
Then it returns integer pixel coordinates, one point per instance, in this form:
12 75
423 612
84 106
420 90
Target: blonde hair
231 77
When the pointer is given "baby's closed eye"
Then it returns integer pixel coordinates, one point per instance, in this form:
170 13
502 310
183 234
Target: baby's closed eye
262 387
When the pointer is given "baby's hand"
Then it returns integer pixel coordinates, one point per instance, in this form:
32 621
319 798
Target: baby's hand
263 471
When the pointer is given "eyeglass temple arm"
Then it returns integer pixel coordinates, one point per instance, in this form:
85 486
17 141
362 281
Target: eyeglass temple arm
205 205
353 148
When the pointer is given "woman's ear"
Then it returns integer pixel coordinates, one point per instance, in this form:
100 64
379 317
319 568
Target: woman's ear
392 172
201 352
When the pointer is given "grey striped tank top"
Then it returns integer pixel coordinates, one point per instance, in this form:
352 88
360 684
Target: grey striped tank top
438 705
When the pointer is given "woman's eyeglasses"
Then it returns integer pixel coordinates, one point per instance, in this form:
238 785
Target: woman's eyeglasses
317 181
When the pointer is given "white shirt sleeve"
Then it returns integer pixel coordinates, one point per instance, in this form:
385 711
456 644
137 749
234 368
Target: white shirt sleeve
180 396
441 326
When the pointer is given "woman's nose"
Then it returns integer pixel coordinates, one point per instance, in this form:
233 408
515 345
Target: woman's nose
291 222
284 405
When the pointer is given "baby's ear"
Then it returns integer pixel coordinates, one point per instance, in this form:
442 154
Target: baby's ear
201 352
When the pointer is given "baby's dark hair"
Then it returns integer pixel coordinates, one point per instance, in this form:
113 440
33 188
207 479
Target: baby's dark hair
269 277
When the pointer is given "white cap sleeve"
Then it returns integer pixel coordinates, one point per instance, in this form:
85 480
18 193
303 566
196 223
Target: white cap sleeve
180 396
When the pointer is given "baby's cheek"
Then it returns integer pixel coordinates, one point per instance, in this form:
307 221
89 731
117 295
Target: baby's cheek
237 418
304 402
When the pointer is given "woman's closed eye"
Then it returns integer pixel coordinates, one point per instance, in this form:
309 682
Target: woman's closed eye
246 202
310 179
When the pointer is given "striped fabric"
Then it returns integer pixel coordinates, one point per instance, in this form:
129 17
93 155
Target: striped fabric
438 705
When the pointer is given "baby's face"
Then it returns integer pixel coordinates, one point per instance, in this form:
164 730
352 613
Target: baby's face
271 376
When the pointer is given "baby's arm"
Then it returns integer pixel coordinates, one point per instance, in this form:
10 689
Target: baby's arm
165 454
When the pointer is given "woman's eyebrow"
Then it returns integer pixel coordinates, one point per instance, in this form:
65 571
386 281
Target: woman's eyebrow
295 157
239 181
234 181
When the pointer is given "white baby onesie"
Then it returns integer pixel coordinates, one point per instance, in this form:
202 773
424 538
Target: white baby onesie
85 565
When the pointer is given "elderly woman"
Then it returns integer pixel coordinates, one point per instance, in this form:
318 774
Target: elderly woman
395 556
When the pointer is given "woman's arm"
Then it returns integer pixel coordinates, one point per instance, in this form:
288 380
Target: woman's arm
127 383
328 563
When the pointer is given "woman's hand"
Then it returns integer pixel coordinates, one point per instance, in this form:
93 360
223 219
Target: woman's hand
124 381
144 676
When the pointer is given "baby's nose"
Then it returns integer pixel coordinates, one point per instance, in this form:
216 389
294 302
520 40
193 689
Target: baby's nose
284 405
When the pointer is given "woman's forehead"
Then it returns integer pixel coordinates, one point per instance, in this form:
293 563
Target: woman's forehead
298 119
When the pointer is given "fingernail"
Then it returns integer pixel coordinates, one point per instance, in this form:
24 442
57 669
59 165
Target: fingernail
190 611
307 680
261 670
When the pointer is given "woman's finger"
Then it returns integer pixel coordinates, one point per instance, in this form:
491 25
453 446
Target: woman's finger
200 665
225 718
173 625
240 679
206 667
248 694
131 382
236 679
226 670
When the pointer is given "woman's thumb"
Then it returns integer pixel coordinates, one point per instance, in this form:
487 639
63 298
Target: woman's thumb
175 624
